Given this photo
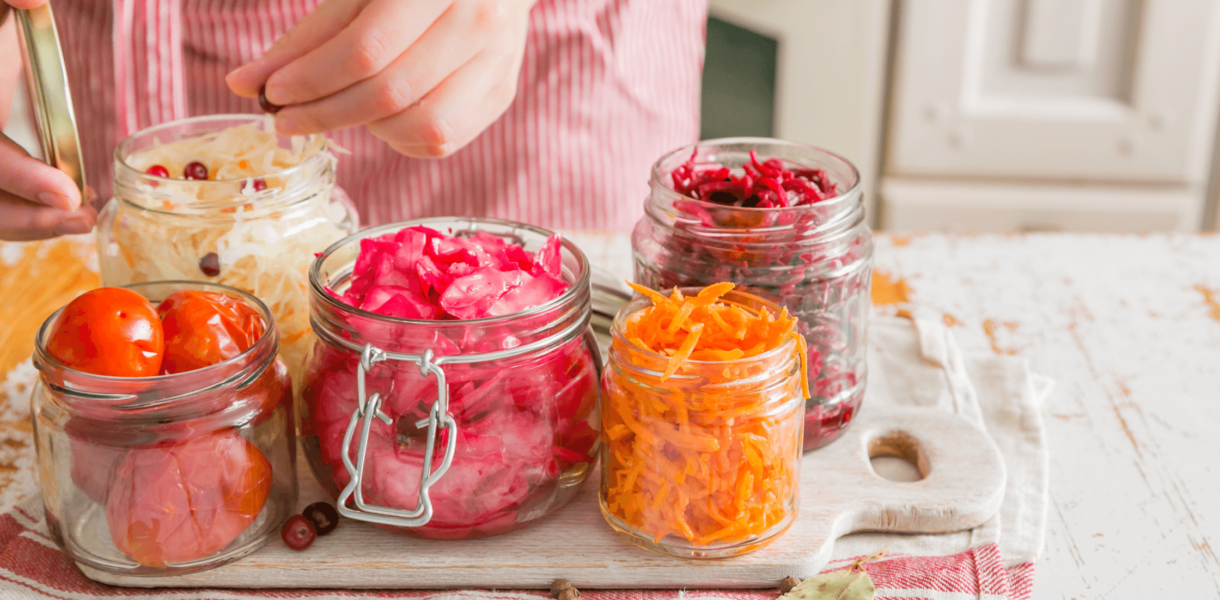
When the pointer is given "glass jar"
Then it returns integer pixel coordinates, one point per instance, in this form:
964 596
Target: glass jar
705 463
170 474
500 410
815 260
226 231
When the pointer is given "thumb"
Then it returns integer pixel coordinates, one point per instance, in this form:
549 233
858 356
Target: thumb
326 21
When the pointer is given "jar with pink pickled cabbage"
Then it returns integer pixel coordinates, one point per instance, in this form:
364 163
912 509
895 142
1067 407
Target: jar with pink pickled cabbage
459 348
715 213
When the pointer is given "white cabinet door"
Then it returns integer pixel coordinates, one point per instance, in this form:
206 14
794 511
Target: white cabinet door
1077 90
830 88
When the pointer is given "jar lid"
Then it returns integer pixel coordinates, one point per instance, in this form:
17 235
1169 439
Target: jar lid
47 84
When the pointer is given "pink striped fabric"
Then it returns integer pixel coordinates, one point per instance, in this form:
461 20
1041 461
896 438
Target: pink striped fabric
606 87
32 566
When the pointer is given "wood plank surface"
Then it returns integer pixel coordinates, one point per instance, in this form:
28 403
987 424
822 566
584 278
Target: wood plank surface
963 489
1128 326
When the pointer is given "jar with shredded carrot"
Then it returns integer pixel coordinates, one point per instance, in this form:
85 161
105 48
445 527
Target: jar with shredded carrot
701 414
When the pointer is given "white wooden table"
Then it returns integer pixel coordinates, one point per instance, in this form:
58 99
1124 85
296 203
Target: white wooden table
1128 326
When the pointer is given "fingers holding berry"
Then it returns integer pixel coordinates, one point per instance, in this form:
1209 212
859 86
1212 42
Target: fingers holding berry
427 77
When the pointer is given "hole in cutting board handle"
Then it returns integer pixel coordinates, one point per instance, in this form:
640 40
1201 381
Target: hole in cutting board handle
897 456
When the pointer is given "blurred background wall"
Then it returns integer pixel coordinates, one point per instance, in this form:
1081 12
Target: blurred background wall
987 115
979 115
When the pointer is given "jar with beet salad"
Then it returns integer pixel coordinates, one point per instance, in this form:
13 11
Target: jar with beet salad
163 428
702 410
224 199
452 389
786 222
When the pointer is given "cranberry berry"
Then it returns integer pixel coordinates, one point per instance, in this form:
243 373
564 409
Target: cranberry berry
210 264
322 516
195 170
157 171
298 533
265 104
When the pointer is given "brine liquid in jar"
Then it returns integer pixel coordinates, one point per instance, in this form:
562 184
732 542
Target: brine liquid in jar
702 404
224 199
783 221
462 341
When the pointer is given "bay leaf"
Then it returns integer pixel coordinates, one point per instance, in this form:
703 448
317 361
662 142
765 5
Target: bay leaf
840 585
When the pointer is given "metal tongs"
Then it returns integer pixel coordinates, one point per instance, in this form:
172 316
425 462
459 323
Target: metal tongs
47 83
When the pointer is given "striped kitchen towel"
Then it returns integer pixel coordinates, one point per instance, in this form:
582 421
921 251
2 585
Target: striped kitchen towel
911 363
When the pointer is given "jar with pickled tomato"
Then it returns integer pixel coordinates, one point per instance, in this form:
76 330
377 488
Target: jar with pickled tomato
180 455
701 459
224 199
811 252
457 414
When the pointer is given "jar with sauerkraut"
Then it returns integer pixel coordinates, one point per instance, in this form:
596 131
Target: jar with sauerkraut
224 199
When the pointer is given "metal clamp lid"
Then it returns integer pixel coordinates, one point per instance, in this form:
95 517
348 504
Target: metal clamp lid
47 83
368 407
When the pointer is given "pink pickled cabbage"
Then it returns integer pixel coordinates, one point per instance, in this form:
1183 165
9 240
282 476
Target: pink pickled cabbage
522 422
421 273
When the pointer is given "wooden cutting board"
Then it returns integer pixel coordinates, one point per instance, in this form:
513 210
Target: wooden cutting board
840 494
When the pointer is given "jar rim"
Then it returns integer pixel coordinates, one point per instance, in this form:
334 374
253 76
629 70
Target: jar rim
853 188
641 302
319 161
320 289
44 360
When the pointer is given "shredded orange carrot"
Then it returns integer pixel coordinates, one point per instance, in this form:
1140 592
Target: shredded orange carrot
292 337
706 448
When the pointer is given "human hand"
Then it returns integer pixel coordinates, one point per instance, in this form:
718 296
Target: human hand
426 76
36 200
26 4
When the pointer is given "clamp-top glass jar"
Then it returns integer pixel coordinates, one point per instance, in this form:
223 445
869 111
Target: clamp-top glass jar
704 463
169 474
253 218
456 428
815 260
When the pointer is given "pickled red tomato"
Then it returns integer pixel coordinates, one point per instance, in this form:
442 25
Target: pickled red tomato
94 461
183 501
98 449
206 328
109 331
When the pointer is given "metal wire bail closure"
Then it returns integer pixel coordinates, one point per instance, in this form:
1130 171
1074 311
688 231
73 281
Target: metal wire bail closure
369 407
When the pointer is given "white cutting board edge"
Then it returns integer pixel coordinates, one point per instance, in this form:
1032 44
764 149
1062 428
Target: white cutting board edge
840 494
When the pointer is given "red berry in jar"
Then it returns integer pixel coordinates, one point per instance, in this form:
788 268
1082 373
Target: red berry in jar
210 264
109 331
298 533
259 185
322 516
195 170
157 171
